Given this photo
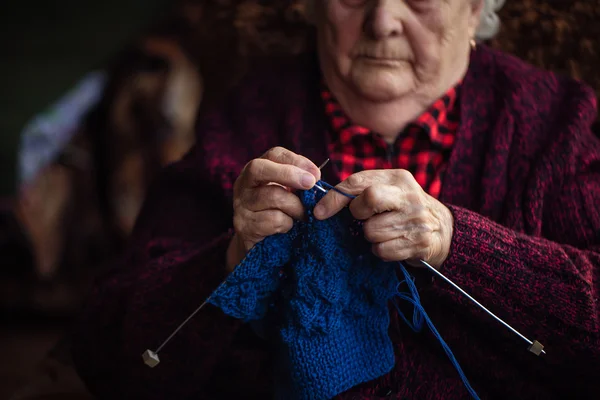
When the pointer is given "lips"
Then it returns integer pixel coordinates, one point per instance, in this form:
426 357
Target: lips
381 60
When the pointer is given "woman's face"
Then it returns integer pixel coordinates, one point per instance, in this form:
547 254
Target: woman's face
386 49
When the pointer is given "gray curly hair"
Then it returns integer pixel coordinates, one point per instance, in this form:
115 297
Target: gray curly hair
488 26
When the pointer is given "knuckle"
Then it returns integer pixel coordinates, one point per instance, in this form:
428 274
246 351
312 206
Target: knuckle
239 223
355 179
422 236
386 251
280 222
275 197
373 197
273 194
278 153
287 226
377 249
415 199
403 175
425 229
238 204
253 220
272 153
397 246
262 228
369 231
254 167
420 215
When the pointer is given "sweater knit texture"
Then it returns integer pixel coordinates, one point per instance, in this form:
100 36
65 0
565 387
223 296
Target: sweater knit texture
523 185
332 328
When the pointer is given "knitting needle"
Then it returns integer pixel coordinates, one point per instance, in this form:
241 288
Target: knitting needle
151 357
535 347
321 168
324 164
152 360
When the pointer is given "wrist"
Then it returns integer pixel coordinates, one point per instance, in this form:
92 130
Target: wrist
446 234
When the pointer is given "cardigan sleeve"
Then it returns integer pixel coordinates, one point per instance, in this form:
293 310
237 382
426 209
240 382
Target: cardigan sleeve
176 259
546 285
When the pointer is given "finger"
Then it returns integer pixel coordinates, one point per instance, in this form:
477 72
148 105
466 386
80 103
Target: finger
395 250
384 227
274 197
393 225
330 205
354 185
282 155
260 171
254 226
376 199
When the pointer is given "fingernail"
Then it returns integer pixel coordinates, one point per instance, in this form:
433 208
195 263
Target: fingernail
319 211
307 181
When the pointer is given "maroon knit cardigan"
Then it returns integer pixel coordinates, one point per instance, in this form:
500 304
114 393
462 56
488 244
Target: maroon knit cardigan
523 183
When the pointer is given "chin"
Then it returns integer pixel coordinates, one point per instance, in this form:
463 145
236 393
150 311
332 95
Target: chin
381 84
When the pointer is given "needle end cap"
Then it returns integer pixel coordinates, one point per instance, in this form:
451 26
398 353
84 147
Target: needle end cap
150 358
536 348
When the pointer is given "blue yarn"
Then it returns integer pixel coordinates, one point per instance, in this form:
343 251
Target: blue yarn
419 314
325 310
326 185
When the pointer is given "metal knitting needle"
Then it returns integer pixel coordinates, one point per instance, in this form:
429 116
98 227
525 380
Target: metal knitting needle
151 357
535 347
321 168
152 360
324 164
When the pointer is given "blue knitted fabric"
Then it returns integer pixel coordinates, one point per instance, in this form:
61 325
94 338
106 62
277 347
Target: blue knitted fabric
322 297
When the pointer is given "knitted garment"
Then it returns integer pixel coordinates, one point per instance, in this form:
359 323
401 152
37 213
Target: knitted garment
326 309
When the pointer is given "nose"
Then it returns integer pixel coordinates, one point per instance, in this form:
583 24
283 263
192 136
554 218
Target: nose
384 18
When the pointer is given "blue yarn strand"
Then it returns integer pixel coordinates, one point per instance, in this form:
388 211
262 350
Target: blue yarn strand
326 185
419 314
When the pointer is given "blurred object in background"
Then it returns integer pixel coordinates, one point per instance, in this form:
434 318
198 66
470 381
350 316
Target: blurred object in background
145 121
86 164
557 35
78 207
46 185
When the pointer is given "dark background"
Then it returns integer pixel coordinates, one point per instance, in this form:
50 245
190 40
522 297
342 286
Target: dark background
46 46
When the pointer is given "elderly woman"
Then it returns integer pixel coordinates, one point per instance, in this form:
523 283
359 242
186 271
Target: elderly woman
459 155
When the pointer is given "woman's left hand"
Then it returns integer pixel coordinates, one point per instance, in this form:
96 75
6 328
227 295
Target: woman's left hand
402 221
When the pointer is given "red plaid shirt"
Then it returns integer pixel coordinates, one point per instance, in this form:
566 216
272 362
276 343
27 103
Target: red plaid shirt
423 148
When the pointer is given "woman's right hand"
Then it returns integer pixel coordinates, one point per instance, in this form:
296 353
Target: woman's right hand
263 203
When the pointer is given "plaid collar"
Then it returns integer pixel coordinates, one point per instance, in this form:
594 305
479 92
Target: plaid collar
432 122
